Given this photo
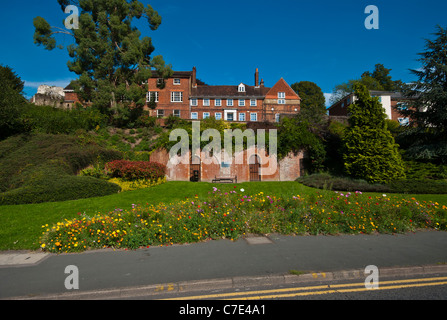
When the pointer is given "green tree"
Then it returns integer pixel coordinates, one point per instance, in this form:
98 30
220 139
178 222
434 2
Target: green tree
428 112
379 80
12 102
108 53
313 102
370 152
295 135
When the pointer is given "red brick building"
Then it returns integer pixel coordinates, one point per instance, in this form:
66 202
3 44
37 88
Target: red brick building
71 98
183 96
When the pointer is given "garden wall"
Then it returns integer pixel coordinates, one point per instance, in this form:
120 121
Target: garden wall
244 165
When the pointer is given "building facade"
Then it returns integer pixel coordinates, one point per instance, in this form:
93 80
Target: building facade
182 95
392 102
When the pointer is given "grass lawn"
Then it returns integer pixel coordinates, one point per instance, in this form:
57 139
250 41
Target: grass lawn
21 225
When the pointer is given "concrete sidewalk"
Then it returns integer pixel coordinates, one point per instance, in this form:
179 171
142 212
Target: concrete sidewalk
257 260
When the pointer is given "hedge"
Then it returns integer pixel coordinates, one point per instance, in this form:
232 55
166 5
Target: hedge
135 170
60 188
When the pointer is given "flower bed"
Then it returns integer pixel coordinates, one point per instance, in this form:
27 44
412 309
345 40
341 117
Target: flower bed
233 214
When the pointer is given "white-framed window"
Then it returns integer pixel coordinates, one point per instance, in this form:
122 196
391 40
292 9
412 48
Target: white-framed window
176 113
253 116
403 121
206 115
160 113
153 95
229 102
281 101
194 102
241 88
218 102
218 115
177 82
194 115
241 116
253 102
277 117
281 95
176 96
241 103
206 102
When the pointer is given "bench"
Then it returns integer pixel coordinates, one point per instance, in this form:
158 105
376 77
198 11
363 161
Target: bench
225 179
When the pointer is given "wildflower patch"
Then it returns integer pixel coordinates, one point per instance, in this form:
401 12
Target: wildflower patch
235 213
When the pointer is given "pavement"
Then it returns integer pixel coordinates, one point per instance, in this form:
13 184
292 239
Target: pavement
220 264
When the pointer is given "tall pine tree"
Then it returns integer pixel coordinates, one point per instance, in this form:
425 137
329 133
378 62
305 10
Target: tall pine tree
108 53
370 152
428 112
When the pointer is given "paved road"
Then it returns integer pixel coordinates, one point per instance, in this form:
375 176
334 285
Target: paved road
266 258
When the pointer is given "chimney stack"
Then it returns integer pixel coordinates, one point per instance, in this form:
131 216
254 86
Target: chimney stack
257 78
194 81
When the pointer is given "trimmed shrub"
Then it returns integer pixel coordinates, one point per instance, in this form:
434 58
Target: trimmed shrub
135 170
422 186
59 188
328 182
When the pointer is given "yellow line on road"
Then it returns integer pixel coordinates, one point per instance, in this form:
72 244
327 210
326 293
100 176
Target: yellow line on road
263 294
291 295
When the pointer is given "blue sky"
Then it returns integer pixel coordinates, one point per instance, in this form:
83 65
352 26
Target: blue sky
325 42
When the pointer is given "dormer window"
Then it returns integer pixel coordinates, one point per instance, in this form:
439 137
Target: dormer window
241 88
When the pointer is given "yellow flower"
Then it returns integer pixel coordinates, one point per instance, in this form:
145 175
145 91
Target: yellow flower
43 245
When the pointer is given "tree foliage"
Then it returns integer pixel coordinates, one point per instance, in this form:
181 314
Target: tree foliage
295 135
428 111
108 53
379 80
313 102
11 102
370 152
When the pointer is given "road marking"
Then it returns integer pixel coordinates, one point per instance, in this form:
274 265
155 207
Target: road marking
280 293
340 291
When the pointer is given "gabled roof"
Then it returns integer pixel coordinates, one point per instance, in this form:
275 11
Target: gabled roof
282 86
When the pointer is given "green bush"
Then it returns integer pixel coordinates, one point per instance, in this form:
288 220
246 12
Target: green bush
326 181
50 120
59 188
425 170
419 186
41 167
369 149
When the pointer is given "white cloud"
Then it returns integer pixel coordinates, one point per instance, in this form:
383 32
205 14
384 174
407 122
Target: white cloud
328 96
57 83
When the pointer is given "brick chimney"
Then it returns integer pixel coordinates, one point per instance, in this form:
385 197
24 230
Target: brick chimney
194 79
257 78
